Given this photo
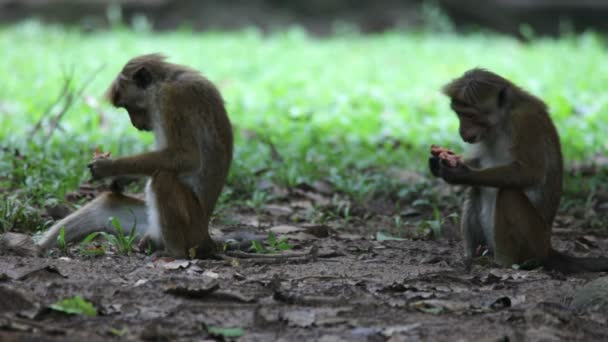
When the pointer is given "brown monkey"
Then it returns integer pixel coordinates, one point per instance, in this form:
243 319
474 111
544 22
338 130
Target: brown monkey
186 171
514 171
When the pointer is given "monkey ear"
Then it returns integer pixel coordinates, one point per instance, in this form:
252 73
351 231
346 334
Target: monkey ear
503 97
142 77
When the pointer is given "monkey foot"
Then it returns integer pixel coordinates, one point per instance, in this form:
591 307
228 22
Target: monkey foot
482 250
206 250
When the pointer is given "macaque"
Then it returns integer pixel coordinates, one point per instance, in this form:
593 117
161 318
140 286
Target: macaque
513 171
186 171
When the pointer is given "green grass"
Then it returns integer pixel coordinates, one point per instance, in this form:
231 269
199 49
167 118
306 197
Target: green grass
345 108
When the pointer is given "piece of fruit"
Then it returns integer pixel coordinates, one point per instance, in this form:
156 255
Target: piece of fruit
100 155
444 153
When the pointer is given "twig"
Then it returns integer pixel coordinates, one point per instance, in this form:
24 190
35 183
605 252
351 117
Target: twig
245 255
70 99
284 296
270 258
68 77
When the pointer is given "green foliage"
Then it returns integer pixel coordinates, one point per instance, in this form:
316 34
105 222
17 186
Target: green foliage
381 236
122 242
61 244
75 306
91 250
118 332
225 332
345 108
274 245
258 247
278 244
435 224
17 213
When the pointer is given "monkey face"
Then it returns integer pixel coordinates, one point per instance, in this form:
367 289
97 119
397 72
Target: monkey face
132 93
139 118
472 130
482 100
474 122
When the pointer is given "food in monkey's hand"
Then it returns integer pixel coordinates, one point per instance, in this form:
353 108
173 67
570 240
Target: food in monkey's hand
436 150
452 159
100 155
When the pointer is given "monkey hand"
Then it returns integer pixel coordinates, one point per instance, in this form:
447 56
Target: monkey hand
454 174
437 150
434 166
100 168
442 155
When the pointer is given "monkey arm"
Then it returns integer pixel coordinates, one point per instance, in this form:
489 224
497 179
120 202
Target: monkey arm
513 175
472 162
146 164
435 165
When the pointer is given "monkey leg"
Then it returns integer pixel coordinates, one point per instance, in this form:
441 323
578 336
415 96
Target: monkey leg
182 218
472 230
520 232
94 217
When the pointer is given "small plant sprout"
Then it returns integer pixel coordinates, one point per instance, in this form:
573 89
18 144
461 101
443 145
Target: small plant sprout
75 306
258 198
278 244
437 222
258 247
91 250
123 243
274 245
61 240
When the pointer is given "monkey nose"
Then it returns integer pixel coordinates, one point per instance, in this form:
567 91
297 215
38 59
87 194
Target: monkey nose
470 139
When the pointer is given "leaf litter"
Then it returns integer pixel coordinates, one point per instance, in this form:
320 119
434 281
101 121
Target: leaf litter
365 274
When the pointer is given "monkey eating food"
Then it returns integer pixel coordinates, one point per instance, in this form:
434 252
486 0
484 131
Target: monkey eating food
514 173
186 171
445 154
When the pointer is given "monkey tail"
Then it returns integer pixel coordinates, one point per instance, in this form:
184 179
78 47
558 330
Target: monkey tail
94 217
559 261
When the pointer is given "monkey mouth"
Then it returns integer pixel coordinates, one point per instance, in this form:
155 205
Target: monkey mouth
139 118
471 139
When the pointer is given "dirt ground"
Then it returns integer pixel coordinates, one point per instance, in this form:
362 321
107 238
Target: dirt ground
348 284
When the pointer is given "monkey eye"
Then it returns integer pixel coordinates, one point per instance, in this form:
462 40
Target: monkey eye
465 114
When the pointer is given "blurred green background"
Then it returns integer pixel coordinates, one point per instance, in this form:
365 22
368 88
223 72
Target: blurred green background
347 107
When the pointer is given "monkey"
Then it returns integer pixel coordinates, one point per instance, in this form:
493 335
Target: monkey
513 170
186 171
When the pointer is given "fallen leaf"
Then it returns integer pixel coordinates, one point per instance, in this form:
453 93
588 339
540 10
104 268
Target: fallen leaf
285 229
438 306
140 282
225 332
299 318
199 288
318 230
381 236
235 295
19 244
75 306
44 272
211 274
277 210
323 187
174 264
390 331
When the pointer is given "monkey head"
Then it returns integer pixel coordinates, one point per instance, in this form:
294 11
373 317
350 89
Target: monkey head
134 89
480 100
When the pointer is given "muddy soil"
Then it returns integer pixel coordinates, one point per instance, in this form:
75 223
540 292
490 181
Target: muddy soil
349 284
